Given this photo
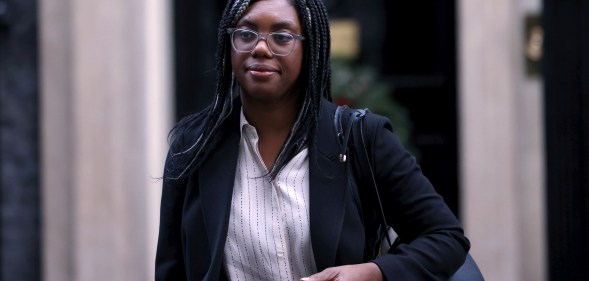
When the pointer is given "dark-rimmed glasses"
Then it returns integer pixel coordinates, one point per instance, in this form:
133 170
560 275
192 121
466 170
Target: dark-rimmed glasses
280 43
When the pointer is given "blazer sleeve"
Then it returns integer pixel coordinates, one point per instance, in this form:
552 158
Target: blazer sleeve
433 242
169 263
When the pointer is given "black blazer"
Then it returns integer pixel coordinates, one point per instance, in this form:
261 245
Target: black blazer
195 212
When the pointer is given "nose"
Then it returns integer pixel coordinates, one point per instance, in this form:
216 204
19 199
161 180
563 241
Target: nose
262 48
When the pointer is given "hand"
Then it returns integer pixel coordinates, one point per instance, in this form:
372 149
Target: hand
357 272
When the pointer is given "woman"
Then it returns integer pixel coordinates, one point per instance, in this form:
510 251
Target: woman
253 189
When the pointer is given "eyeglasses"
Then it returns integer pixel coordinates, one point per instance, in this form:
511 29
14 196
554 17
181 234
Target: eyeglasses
279 43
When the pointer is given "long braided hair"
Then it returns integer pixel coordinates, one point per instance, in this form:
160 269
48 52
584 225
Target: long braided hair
315 82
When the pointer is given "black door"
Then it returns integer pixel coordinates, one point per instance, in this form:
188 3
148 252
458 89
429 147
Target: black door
19 142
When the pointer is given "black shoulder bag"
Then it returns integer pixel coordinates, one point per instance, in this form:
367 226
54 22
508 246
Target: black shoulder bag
469 271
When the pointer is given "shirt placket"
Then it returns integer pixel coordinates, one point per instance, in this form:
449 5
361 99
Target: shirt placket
278 224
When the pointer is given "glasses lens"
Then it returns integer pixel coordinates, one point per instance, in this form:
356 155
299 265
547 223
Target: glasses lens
281 43
244 40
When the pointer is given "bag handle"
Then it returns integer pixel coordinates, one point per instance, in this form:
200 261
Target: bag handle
356 118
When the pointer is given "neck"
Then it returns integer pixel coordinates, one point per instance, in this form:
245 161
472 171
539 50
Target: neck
273 121
271 116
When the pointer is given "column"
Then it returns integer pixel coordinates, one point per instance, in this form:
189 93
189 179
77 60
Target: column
106 113
501 141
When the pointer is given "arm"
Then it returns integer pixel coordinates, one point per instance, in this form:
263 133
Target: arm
169 263
434 245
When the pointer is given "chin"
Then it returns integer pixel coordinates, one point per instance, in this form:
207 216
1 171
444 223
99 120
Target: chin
264 95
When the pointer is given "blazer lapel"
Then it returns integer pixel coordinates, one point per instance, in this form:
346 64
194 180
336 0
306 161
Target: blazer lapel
328 190
327 186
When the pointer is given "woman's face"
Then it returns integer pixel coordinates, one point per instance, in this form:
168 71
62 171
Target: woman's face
263 75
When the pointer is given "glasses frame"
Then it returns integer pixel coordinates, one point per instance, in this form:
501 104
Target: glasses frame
231 32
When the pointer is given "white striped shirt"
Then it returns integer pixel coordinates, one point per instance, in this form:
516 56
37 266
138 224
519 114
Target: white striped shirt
269 233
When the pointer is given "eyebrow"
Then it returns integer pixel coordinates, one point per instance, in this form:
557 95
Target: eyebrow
278 25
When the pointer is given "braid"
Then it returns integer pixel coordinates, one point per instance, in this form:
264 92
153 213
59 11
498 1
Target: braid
213 117
314 18
323 46
315 83
240 11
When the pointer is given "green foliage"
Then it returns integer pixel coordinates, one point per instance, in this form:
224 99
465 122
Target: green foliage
361 86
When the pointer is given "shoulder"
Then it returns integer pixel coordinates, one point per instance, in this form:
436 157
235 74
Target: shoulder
326 110
373 126
187 131
372 122
377 123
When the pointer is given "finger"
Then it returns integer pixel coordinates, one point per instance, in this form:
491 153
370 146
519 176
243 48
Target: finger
325 275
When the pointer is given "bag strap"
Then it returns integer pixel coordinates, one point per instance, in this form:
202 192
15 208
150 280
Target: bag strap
355 128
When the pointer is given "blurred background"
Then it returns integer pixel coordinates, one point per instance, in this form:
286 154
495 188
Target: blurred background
491 96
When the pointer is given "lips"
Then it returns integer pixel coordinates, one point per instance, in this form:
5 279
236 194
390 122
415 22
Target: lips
261 68
261 72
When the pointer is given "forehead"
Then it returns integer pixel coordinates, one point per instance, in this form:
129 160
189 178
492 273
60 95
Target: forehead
271 12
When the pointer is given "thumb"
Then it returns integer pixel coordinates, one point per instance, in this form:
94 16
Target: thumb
324 275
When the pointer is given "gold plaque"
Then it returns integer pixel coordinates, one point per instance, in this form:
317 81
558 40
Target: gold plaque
345 38
534 42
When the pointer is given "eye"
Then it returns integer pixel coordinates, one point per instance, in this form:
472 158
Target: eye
282 38
246 35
